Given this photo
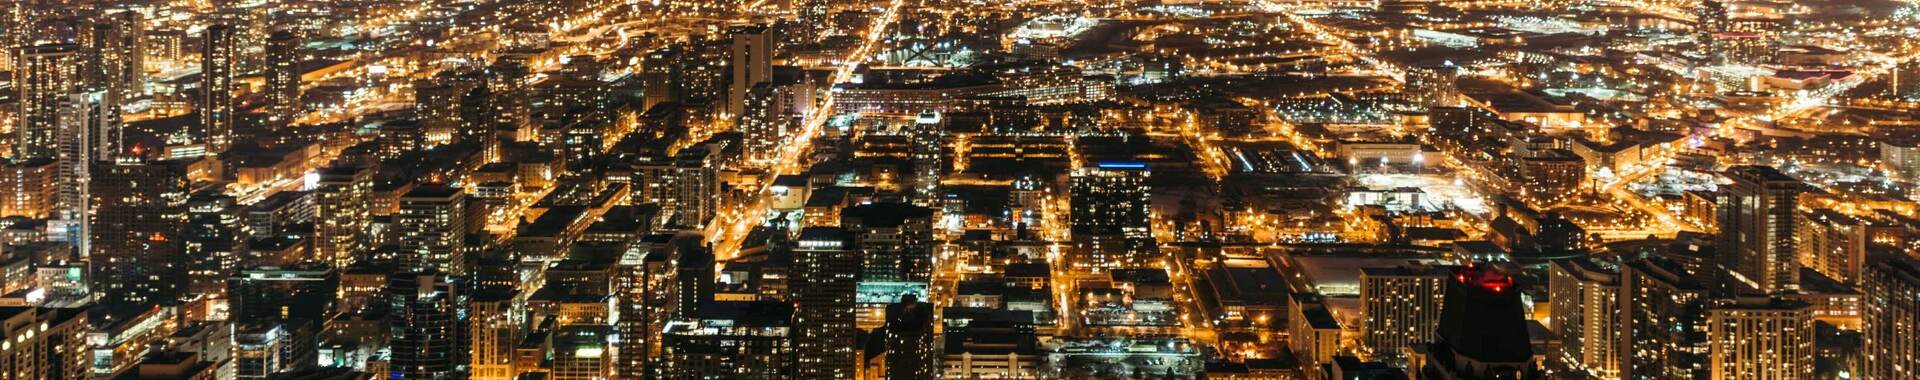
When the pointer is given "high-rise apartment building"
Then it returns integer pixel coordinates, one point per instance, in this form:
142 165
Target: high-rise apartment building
1111 214
1760 338
750 64
1756 218
1586 303
826 268
1890 325
219 56
1399 307
432 229
342 197
1664 327
895 240
283 75
45 343
747 340
46 79
1832 243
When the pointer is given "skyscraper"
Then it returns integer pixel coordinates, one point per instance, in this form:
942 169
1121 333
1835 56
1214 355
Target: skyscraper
895 240
929 157
694 184
218 58
826 268
140 218
426 326
283 75
1761 338
750 62
340 214
1399 306
121 39
507 94
762 125
1483 332
1756 218
1664 326
433 225
747 340
1891 321
493 323
1586 303
909 340
1831 243
659 76
301 295
1112 214
47 78
214 242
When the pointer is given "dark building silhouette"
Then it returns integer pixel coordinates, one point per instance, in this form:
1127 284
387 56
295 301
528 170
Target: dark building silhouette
1483 331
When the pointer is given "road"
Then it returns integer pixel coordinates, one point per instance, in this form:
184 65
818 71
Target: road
728 232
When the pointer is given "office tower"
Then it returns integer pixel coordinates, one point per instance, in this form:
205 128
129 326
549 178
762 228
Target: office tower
258 350
750 62
660 76
291 295
895 239
694 282
45 343
1399 307
1483 332
929 157
1756 218
762 125
340 219
1831 243
1664 326
219 54
650 292
1586 312
138 223
1760 338
1891 321
1112 214
746 340
283 76
826 268
47 78
287 307
432 229
909 340
582 352
215 242
425 326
